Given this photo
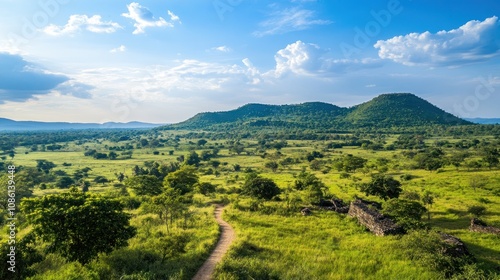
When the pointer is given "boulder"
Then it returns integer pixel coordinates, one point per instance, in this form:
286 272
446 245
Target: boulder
477 225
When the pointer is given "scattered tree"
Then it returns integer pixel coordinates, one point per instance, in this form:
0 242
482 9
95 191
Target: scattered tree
64 221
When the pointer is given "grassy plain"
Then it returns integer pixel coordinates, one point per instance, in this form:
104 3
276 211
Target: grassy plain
325 245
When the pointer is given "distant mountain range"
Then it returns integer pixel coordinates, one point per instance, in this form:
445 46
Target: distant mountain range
11 125
385 111
484 120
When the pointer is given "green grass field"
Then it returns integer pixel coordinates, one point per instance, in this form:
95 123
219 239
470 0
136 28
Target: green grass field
325 245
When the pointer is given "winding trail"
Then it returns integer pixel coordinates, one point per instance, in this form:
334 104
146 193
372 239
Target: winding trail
227 237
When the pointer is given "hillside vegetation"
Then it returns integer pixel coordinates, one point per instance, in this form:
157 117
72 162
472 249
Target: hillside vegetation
384 111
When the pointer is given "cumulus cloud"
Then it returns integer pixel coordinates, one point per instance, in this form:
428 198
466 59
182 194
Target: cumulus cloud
75 89
144 18
22 80
472 42
287 20
78 22
121 48
309 59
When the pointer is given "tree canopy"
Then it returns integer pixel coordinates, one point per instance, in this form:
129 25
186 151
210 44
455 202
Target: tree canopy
78 225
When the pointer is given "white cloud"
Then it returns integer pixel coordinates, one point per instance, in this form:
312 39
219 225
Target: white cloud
311 60
472 42
121 48
144 18
222 49
79 22
288 20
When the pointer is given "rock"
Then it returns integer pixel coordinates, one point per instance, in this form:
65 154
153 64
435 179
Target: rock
373 220
477 225
454 246
306 212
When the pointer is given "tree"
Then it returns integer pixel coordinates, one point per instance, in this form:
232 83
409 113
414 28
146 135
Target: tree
205 188
112 155
120 176
350 163
79 225
406 213
64 182
261 188
145 185
314 189
272 165
22 191
428 200
193 159
201 142
490 156
168 205
383 186
44 165
101 180
183 179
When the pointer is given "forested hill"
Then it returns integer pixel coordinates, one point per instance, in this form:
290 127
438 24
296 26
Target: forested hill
384 111
400 109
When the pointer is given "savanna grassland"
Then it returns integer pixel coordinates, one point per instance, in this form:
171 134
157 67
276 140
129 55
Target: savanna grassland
166 182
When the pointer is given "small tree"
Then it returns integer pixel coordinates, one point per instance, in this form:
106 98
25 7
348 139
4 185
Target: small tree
64 182
260 188
145 185
405 212
183 179
193 159
101 180
383 186
205 188
272 165
428 200
44 165
64 221
168 205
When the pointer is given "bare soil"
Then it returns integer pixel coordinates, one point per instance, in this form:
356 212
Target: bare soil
227 237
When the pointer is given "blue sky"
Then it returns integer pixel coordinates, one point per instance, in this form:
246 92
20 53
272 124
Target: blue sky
164 61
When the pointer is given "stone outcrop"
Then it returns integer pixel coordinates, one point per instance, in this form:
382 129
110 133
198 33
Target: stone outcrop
477 225
306 212
334 204
454 246
373 220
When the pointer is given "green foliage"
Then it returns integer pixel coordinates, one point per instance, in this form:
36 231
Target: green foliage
144 184
349 163
44 165
78 225
205 188
261 188
183 179
406 213
64 182
383 186
427 249
193 159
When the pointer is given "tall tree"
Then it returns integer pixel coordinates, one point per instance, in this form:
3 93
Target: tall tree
383 186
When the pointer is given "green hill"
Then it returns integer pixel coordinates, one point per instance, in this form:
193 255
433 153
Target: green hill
384 111
399 109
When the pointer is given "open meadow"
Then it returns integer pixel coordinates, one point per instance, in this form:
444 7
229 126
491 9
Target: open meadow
274 240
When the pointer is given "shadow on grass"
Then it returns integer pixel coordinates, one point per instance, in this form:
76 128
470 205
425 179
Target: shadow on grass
490 263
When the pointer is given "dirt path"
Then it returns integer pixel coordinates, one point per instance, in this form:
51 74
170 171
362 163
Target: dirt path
226 238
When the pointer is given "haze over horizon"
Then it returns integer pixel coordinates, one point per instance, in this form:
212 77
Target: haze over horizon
163 62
